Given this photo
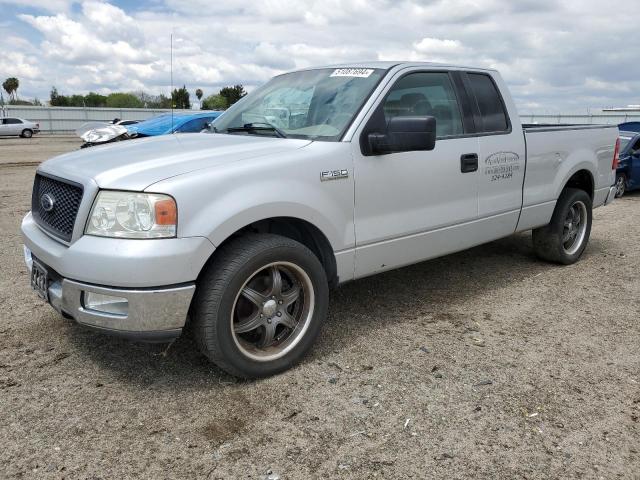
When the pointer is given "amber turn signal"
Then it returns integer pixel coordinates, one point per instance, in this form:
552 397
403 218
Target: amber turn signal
166 212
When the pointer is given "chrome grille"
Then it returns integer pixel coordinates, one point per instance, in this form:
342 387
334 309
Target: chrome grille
55 203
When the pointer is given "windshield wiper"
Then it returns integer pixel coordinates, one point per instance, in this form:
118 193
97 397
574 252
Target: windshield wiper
257 127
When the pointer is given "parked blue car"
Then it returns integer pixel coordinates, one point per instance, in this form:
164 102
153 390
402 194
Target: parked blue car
173 123
628 172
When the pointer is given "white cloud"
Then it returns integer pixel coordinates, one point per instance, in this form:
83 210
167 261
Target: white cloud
554 54
437 46
19 65
48 5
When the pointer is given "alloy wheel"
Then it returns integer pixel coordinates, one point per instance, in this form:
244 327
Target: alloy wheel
575 227
272 311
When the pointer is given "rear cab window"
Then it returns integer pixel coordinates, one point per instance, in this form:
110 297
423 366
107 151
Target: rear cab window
491 114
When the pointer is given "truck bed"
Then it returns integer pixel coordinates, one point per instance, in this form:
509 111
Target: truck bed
554 154
547 127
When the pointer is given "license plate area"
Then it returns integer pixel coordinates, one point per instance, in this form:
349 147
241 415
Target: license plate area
40 280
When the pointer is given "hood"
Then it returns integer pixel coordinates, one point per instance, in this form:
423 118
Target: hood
136 164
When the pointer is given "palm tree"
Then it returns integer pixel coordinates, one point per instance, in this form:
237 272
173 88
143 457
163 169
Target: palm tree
199 94
11 85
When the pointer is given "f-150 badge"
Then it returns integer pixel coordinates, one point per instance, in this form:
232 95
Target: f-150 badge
333 175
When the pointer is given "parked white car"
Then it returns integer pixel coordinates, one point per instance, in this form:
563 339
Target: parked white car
319 177
12 126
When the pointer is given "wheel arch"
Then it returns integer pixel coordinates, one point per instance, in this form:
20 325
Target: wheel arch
296 229
582 179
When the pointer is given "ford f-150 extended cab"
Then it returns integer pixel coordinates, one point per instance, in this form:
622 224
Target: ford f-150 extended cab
321 176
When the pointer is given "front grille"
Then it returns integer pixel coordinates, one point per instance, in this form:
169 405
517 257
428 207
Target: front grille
55 203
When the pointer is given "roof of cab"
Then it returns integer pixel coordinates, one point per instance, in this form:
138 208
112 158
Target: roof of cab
386 65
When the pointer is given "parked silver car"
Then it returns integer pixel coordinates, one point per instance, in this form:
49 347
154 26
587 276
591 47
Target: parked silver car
12 126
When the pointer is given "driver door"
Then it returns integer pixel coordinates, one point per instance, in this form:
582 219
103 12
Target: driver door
415 205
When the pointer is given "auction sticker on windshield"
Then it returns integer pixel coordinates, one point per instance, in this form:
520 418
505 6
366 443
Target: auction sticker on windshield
352 72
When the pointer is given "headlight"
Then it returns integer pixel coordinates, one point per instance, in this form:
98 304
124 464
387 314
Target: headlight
133 215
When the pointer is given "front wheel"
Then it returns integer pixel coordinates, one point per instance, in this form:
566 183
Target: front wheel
26 133
621 185
567 235
259 305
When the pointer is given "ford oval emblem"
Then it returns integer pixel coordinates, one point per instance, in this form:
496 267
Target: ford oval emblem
47 202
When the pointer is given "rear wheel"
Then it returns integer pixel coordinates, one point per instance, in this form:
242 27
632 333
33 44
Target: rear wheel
567 235
26 133
259 305
621 185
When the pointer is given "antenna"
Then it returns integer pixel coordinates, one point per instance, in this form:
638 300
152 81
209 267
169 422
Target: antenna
171 92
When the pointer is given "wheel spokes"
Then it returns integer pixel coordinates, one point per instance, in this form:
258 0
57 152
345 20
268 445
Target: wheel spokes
571 224
269 334
254 297
251 323
291 295
287 320
276 281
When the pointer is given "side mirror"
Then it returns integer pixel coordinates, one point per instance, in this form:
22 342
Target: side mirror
405 134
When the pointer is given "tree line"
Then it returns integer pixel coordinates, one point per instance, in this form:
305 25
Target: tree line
180 98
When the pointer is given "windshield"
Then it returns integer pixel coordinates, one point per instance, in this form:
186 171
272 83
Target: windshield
313 104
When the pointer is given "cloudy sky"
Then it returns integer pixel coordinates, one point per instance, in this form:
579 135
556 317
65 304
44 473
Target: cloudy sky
555 55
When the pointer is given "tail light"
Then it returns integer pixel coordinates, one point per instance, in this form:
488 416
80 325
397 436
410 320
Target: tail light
616 155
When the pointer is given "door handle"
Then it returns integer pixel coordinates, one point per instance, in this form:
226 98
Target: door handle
469 162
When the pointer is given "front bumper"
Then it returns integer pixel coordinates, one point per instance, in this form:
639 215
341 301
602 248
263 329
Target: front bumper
155 278
151 314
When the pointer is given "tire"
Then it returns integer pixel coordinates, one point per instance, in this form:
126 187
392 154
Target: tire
567 235
247 325
26 133
621 185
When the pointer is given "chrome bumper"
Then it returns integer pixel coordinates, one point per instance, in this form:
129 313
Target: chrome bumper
150 314
610 196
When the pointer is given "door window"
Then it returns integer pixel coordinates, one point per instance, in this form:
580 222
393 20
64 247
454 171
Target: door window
11 121
494 116
426 94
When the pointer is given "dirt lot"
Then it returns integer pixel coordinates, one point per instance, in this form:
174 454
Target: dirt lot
484 364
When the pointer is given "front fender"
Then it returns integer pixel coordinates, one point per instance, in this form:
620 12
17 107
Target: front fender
236 220
218 202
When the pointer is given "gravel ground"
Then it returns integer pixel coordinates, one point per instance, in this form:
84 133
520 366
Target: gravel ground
484 364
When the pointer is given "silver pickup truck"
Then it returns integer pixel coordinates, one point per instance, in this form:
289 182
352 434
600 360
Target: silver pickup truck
321 176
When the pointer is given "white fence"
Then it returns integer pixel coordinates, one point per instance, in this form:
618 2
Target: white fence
67 119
